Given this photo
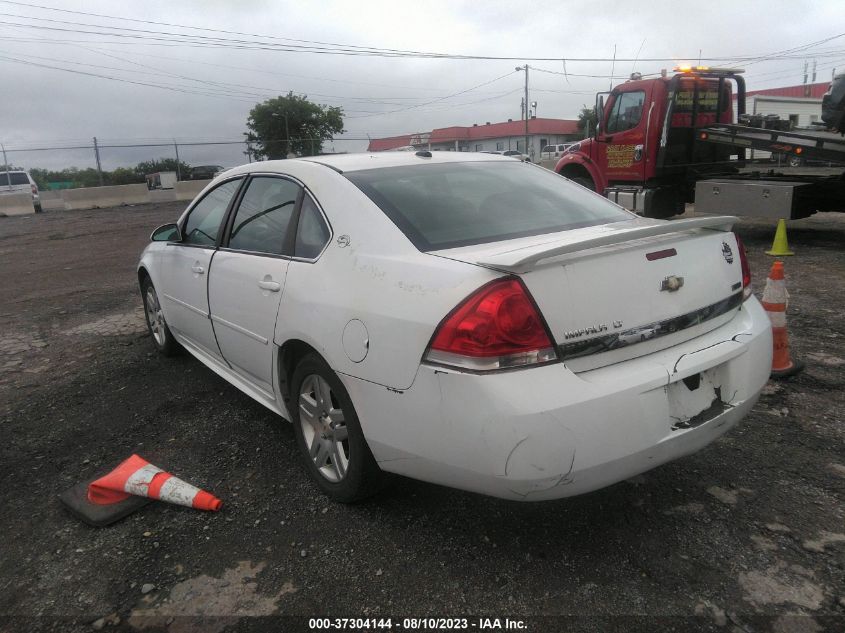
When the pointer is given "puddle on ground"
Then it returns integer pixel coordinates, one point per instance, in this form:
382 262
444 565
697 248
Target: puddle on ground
120 324
206 604
782 584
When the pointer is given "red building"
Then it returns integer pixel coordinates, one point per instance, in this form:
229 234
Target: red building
487 137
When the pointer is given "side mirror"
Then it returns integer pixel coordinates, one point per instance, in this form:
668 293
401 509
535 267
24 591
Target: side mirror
167 233
599 113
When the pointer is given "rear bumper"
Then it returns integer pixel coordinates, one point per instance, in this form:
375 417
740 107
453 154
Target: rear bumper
546 432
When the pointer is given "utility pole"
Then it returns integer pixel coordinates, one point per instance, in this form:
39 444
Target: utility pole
6 163
248 153
525 106
178 171
99 167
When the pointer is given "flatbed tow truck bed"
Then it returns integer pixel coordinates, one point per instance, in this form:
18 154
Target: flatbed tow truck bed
808 144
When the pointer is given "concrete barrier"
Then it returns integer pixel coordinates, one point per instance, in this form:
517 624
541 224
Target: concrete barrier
98 197
162 195
188 189
16 203
51 200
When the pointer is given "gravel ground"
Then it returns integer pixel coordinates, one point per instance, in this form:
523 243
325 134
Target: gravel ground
747 535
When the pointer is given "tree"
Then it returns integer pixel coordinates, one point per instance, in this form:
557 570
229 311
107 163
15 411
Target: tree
125 176
291 124
587 119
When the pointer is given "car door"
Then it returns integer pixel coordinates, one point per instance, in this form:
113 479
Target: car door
622 137
184 266
248 276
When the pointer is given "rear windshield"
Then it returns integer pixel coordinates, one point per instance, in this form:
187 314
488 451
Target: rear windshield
458 204
18 178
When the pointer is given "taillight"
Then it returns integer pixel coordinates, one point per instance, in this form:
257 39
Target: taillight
746 269
496 327
34 190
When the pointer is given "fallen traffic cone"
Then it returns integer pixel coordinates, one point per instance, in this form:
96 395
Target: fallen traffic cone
136 476
780 247
775 300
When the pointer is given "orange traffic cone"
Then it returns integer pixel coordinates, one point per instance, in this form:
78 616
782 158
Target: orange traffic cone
136 476
775 300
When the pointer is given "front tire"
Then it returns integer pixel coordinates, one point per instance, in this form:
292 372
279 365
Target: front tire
585 182
156 325
329 435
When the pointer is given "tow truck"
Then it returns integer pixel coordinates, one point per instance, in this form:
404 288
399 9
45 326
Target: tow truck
663 142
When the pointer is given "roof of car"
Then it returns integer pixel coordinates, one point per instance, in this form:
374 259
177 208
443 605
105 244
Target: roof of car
358 162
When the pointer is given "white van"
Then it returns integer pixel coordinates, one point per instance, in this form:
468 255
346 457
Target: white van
555 151
18 181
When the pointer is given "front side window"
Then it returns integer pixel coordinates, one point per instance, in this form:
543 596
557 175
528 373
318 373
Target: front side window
263 219
441 206
312 234
203 223
627 111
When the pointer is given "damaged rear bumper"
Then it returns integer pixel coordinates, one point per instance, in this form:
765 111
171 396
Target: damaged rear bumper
546 432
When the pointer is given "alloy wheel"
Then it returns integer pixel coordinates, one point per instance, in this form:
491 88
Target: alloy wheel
324 428
155 318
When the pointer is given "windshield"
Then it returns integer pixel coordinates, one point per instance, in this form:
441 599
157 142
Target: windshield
457 204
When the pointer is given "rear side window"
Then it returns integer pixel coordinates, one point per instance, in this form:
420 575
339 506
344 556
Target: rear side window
204 220
441 206
264 214
17 178
312 232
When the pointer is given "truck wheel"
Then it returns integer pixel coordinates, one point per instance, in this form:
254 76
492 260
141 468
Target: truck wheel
584 181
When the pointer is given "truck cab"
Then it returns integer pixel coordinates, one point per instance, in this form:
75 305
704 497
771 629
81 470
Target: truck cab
643 153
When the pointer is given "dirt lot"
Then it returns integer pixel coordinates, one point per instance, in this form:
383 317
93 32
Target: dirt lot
748 535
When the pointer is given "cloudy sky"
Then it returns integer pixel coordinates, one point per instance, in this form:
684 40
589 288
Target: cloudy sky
155 71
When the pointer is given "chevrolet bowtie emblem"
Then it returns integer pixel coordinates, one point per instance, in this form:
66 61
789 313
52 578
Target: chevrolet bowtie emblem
671 283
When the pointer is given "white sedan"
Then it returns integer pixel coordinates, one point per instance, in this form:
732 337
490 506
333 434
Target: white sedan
456 318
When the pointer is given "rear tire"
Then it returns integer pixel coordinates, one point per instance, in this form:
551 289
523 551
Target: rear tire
329 435
156 325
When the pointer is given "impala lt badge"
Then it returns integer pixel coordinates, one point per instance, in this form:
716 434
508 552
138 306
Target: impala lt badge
727 253
671 283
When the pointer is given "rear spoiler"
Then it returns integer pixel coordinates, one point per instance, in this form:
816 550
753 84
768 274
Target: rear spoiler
523 259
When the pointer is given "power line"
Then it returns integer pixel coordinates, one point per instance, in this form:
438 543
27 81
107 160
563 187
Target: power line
315 47
486 83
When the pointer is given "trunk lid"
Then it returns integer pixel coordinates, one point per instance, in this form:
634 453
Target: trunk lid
622 290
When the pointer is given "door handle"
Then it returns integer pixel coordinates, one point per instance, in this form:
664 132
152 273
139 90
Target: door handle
272 286
198 269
